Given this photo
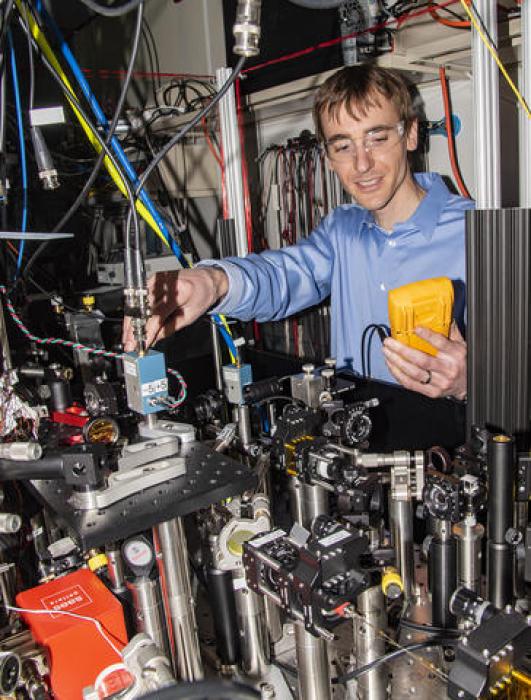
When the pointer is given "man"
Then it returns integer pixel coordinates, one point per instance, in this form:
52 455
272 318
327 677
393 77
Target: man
402 228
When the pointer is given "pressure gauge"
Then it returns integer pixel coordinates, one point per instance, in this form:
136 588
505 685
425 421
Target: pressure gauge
139 556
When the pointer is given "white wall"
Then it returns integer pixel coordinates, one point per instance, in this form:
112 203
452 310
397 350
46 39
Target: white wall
437 159
189 35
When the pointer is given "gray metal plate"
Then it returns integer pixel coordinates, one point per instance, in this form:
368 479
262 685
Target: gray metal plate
210 477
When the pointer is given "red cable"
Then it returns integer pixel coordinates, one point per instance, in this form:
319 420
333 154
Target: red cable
450 134
245 171
454 23
245 183
295 328
220 161
341 39
311 187
211 148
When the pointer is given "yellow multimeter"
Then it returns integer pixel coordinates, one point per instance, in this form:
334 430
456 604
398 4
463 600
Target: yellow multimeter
426 303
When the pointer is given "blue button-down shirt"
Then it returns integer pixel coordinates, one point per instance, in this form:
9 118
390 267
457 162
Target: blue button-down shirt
349 257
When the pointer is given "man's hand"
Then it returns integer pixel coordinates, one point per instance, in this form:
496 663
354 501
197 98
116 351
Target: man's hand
442 375
177 299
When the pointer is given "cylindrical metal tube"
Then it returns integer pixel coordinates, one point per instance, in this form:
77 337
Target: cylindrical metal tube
307 502
312 664
244 425
501 482
525 123
369 645
223 606
312 654
61 396
148 611
499 574
230 140
469 534
151 420
261 508
443 577
178 602
402 523
21 451
115 568
252 625
273 621
487 111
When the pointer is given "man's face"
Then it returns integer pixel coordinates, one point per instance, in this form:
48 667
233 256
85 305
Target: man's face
377 178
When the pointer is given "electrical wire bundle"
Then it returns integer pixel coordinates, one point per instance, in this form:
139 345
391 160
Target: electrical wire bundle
297 191
400 9
34 21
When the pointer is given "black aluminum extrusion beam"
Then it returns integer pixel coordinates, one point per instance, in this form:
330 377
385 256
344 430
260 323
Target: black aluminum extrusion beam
498 326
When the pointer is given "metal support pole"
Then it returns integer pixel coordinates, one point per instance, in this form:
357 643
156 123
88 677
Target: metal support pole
312 654
174 573
230 139
469 534
223 605
307 502
402 523
244 425
253 630
501 484
149 613
369 645
115 568
487 111
525 122
442 561
150 421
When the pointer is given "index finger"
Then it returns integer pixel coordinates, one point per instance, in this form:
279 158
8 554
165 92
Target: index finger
127 333
438 340
416 357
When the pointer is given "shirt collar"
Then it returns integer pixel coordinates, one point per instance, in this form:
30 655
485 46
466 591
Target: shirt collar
427 214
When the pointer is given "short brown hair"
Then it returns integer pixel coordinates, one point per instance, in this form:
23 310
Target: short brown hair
358 87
